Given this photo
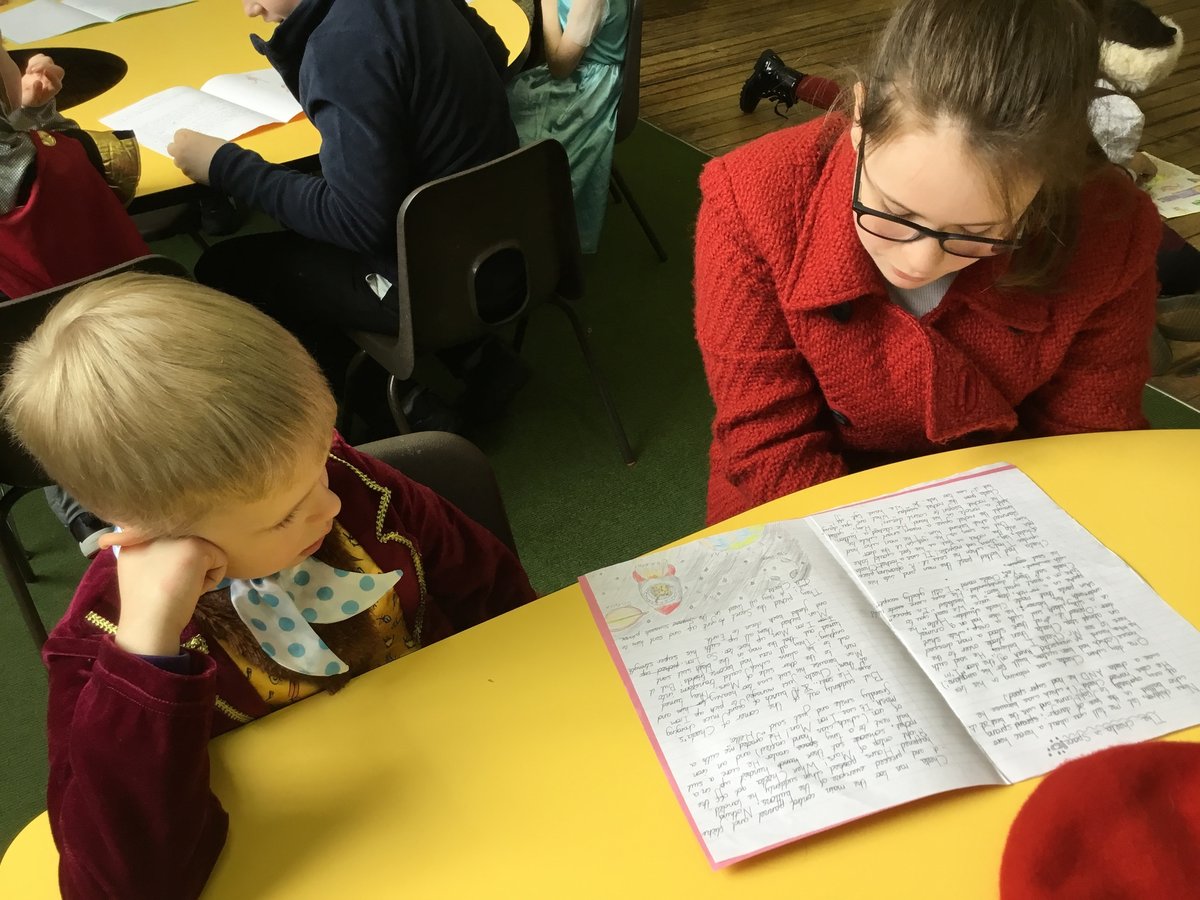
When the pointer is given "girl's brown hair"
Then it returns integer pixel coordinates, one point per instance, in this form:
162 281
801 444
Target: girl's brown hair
1017 77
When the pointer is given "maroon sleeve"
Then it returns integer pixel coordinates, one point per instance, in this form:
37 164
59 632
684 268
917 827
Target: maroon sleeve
130 806
470 575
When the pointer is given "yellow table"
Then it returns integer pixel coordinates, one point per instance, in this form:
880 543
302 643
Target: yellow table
508 761
187 45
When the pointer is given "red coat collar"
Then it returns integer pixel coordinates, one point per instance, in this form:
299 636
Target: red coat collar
831 267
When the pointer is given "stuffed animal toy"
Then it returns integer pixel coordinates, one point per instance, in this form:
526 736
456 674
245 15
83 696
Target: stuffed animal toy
1139 50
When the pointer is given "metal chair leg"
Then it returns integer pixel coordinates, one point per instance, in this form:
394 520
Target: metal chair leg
22 555
396 405
598 377
9 552
518 340
8 502
623 188
343 412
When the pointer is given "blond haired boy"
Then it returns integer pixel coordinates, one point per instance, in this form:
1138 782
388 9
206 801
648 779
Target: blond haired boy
261 560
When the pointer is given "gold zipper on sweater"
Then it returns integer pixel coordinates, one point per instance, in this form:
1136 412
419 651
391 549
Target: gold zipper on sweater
196 642
385 500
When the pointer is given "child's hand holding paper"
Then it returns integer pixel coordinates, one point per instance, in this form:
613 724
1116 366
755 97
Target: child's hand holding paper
226 107
193 153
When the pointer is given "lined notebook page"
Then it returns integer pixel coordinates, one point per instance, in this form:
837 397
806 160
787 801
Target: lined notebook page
156 118
1044 642
776 700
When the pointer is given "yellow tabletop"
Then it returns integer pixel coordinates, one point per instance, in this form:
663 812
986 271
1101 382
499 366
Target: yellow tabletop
187 45
509 762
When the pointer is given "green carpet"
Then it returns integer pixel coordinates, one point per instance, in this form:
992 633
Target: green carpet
574 505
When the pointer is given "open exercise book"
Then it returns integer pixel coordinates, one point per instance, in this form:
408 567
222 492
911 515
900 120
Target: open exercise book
806 673
227 106
41 19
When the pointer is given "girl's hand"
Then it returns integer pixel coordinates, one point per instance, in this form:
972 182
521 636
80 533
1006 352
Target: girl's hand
41 82
1142 167
161 581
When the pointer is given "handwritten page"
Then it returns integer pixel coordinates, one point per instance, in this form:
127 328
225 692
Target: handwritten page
227 106
156 119
802 674
1174 190
779 703
41 19
1045 644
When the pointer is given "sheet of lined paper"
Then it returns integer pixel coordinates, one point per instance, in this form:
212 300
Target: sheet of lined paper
778 702
1046 644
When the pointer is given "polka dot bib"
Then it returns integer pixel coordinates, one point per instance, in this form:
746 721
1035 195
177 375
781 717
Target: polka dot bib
278 609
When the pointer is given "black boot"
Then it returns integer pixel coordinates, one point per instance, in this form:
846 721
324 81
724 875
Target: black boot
770 80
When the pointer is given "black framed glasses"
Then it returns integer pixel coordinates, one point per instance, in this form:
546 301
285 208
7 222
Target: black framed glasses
894 228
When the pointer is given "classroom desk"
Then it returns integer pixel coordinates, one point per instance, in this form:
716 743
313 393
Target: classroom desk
508 761
189 44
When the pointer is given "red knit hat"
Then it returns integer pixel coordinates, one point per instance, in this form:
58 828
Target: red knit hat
1121 824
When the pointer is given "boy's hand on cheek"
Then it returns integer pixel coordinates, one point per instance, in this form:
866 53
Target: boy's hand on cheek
161 581
193 153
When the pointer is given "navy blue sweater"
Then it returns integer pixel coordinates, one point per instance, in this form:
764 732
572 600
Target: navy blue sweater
402 92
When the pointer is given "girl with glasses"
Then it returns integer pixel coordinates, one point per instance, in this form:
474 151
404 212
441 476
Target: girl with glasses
952 263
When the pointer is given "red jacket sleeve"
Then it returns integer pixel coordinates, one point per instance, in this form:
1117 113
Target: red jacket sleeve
1098 386
130 806
768 433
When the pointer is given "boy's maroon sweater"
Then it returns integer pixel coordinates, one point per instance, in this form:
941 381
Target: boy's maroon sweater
130 805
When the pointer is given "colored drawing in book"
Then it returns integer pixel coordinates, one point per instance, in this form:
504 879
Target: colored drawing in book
694 582
659 586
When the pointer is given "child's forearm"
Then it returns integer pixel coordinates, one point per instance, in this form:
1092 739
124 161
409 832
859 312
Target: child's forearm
562 53
129 799
551 29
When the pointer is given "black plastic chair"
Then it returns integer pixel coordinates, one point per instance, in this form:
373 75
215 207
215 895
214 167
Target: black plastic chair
453 234
453 467
19 471
627 118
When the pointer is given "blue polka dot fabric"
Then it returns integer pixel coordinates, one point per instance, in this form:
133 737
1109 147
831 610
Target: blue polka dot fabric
280 608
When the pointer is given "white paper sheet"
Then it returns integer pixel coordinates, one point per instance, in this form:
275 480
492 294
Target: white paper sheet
41 19
1046 645
262 90
111 10
780 704
1174 190
156 119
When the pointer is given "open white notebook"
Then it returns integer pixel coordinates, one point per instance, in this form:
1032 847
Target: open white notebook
802 674
227 107
41 19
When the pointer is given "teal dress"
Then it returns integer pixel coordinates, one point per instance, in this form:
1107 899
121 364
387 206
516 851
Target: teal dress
580 112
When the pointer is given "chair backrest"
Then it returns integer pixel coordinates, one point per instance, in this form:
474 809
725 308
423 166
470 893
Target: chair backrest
631 74
18 319
453 467
480 248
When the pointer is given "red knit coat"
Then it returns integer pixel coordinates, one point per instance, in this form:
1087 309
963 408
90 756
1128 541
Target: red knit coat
815 371
130 806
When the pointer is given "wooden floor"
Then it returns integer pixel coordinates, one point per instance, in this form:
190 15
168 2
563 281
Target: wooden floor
697 53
